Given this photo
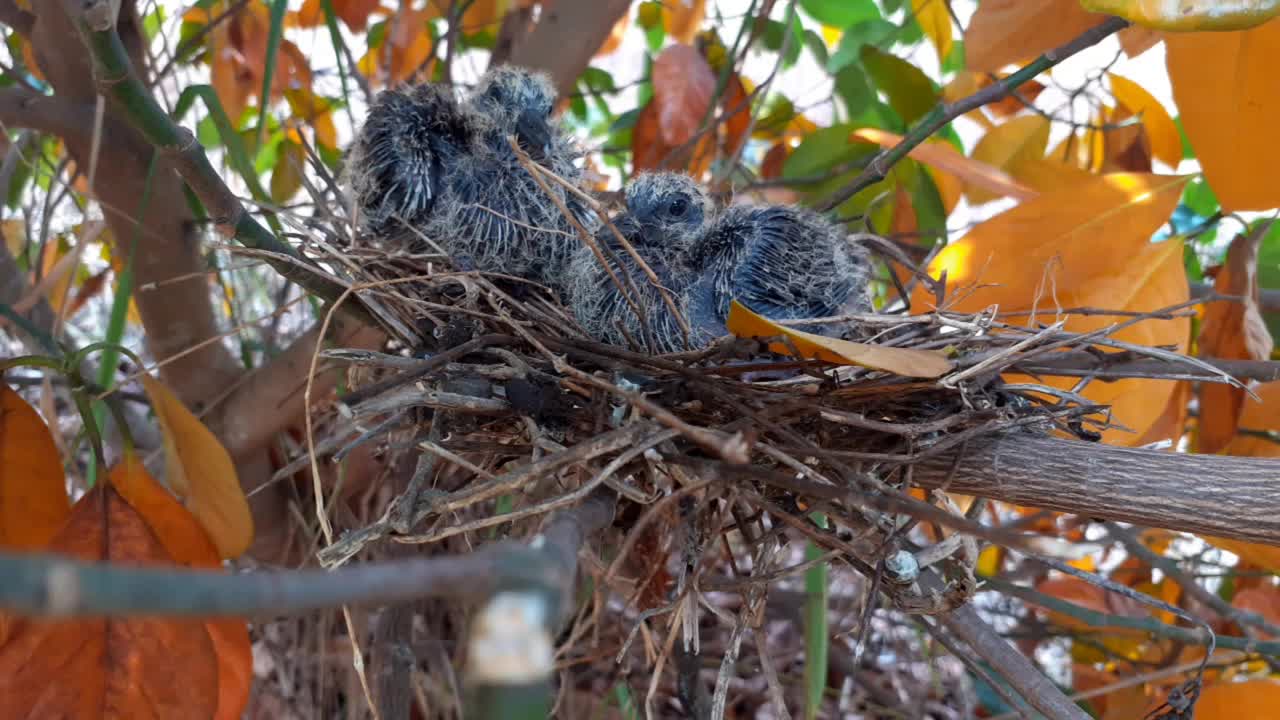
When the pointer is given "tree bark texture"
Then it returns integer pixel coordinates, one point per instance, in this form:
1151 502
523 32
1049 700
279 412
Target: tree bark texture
177 315
565 38
1230 497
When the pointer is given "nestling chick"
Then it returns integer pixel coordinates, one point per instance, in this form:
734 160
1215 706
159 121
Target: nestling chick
785 263
482 205
396 166
602 308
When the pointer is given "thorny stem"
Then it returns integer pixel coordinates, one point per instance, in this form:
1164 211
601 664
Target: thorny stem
944 113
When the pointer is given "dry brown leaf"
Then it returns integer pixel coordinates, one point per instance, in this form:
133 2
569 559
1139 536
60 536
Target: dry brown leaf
683 87
1004 32
744 323
1232 331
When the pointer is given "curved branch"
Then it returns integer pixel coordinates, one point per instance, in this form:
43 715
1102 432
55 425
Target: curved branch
116 78
24 108
1219 495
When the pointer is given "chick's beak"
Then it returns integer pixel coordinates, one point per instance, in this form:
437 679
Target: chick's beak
534 134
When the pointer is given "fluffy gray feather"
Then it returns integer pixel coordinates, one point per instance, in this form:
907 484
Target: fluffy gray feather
427 163
783 262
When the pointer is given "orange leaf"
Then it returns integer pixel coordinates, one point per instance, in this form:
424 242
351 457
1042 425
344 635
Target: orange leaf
681 18
942 156
736 101
683 86
136 667
1008 146
1233 331
33 490
1086 245
1234 701
189 545
771 165
1263 556
647 148
616 34
1255 415
1135 40
1264 600
1225 89
1003 32
1166 141
901 361
200 471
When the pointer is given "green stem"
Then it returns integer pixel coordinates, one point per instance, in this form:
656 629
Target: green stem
116 79
944 113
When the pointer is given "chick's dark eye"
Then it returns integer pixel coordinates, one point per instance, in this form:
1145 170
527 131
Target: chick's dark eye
678 207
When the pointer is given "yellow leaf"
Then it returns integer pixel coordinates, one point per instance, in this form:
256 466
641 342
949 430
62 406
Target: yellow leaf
1087 245
1008 146
989 561
941 155
901 361
831 35
1189 15
935 21
1225 87
15 234
286 176
1166 142
1003 32
1235 701
201 472
33 491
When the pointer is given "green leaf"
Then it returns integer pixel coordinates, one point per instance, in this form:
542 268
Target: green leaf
823 150
1199 197
274 34
910 92
840 13
931 215
875 32
774 35
852 87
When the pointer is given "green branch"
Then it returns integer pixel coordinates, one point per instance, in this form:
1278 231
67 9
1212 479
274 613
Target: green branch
943 113
116 79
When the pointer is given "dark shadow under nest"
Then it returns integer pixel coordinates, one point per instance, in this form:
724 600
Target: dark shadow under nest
493 410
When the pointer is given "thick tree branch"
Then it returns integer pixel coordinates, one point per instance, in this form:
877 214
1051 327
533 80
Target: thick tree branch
1229 497
24 108
16 18
565 38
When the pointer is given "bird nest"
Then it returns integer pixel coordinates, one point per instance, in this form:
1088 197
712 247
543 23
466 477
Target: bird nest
715 458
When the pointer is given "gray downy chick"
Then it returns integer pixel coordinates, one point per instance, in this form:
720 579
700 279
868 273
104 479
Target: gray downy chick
785 263
663 223
486 211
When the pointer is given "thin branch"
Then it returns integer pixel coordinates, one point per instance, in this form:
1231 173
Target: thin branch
944 113
55 585
117 79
